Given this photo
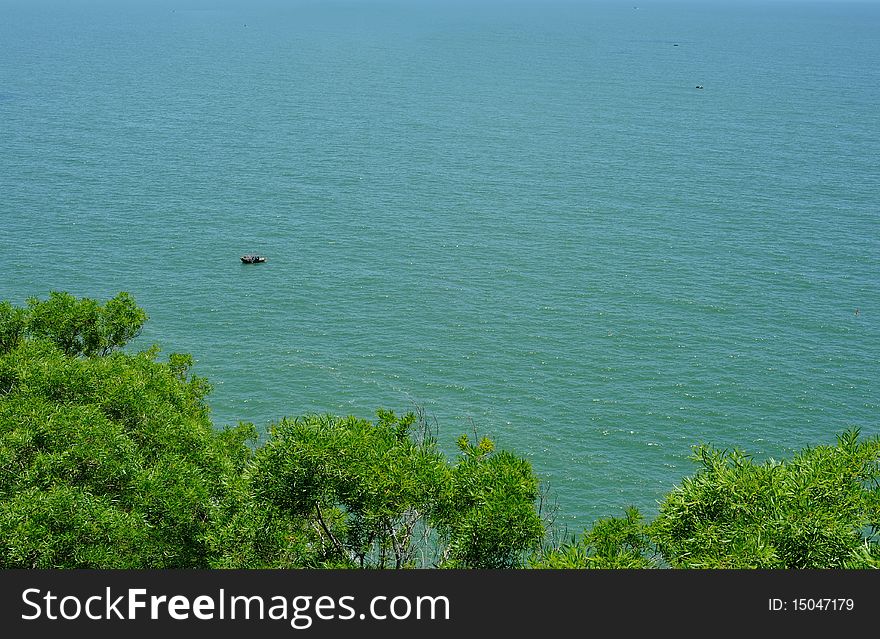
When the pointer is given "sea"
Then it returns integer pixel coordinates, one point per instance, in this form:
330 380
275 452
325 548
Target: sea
599 233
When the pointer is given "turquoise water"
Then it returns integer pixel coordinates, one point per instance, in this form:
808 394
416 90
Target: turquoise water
522 217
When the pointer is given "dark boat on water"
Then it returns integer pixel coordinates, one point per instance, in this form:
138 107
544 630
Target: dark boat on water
252 259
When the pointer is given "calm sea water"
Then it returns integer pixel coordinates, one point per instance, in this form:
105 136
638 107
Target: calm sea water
523 217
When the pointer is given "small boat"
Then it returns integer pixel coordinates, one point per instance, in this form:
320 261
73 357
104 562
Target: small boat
252 259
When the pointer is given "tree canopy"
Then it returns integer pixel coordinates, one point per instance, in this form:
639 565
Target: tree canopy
821 509
357 493
109 459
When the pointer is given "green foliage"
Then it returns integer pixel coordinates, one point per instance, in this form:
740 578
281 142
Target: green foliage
109 459
105 461
613 542
380 494
12 326
83 326
362 486
64 526
819 510
486 515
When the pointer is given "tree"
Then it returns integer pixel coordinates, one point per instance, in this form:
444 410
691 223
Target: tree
12 326
83 326
819 510
486 514
380 494
612 542
107 459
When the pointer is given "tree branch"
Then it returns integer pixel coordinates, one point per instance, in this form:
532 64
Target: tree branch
332 537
